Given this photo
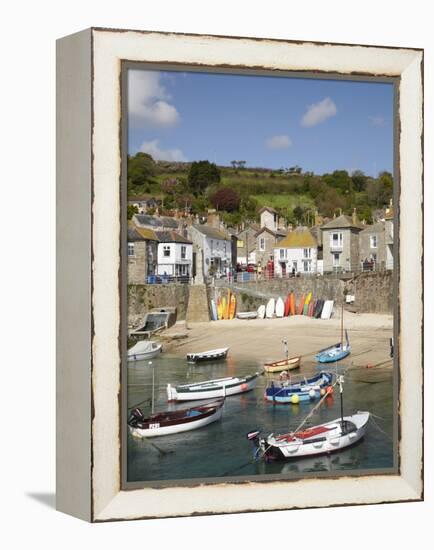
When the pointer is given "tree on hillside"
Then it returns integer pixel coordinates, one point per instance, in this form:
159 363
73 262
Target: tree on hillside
171 186
201 175
226 199
380 191
340 180
359 180
140 169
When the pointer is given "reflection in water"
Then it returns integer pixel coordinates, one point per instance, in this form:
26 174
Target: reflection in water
221 449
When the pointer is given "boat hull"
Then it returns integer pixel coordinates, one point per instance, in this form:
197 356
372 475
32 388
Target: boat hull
332 356
144 355
302 391
212 355
285 364
156 429
334 440
225 389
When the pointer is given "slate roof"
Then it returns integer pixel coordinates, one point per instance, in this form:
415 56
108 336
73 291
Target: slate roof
374 228
154 221
342 222
135 233
211 232
299 238
171 237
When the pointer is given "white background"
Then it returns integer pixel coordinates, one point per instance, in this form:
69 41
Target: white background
27 170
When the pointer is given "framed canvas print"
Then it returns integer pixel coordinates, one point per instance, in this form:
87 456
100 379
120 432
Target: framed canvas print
239 267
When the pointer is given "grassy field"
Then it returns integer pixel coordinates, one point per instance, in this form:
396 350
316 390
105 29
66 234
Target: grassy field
289 201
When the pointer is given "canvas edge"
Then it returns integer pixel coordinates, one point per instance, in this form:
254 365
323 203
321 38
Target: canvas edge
410 484
73 275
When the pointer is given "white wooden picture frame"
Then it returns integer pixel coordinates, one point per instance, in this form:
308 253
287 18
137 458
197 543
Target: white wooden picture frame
89 274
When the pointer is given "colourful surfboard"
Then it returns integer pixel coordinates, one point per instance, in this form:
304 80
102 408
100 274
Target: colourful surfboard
287 305
300 306
292 304
232 306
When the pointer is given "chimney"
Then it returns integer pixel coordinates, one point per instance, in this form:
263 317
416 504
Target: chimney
354 216
213 219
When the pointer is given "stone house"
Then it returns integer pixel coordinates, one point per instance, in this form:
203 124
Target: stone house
269 218
214 248
296 253
246 245
340 239
372 247
142 254
174 256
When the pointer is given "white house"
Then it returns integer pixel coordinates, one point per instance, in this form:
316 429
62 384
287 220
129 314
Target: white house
296 253
174 255
215 248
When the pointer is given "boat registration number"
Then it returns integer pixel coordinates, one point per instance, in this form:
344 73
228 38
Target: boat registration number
153 426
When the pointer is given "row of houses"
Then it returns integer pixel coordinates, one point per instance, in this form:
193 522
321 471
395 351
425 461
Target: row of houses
181 248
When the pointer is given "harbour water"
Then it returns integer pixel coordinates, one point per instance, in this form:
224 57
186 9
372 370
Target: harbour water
221 450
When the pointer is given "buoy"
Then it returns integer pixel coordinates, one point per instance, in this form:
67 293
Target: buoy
322 392
312 394
294 399
329 390
369 366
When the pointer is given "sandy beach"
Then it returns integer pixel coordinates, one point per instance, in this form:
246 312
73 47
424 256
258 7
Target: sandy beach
262 338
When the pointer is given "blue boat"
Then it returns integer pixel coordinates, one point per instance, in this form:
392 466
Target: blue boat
334 353
305 390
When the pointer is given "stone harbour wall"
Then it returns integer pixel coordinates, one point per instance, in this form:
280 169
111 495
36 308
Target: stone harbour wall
142 298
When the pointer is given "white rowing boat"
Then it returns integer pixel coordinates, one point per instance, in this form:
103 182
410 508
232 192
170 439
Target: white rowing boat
325 438
210 355
208 389
144 349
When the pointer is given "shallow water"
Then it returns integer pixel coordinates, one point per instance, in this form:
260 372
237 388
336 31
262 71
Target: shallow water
221 448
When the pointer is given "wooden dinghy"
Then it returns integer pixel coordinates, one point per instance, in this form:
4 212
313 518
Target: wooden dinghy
285 364
172 422
208 389
270 308
261 311
144 349
324 438
210 355
280 307
304 390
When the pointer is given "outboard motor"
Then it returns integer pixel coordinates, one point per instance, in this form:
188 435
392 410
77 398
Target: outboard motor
135 417
253 436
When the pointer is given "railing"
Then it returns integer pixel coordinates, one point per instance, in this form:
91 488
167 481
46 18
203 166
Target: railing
167 279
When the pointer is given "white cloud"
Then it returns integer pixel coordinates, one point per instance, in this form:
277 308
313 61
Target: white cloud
148 100
278 142
377 120
153 149
319 112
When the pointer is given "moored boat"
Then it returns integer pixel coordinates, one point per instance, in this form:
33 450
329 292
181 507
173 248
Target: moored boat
334 353
171 422
207 389
324 438
210 355
285 364
144 349
304 390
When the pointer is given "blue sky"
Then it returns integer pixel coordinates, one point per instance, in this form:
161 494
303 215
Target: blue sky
273 122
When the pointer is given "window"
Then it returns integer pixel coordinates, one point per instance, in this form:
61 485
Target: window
373 241
166 251
307 253
212 246
336 260
183 252
336 240
224 247
374 257
306 266
282 253
262 243
240 244
130 249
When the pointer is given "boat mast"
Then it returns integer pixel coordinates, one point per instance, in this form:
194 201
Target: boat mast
341 392
342 327
153 387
